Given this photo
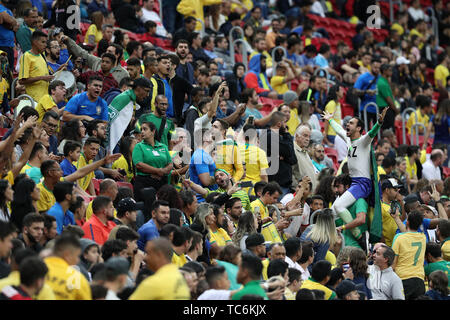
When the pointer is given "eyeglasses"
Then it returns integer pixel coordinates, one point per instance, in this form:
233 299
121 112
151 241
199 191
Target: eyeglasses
51 125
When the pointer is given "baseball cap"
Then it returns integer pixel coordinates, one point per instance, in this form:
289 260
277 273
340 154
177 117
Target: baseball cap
119 265
255 239
389 183
410 198
128 204
402 60
344 288
289 97
432 209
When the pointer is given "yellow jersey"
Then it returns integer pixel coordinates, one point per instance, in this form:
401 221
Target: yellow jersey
93 31
445 248
179 260
220 237
228 158
166 284
265 264
90 212
255 160
46 198
84 182
440 75
263 211
410 247
335 109
424 119
411 169
313 285
293 122
31 66
67 282
278 84
4 86
45 104
13 279
389 225
122 164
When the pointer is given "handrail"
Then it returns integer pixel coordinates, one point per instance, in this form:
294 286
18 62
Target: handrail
435 26
203 27
27 97
274 63
311 217
160 10
403 121
230 36
418 124
13 88
244 53
366 123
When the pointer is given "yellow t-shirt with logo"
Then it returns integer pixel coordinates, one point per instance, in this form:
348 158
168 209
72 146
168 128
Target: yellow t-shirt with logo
46 198
179 260
45 104
220 237
255 160
31 66
166 284
84 182
122 164
278 84
13 279
335 109
67 282
93 31
410 247
263 211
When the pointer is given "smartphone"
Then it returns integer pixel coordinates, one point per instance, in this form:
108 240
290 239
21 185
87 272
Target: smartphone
345 267
251 120
246 184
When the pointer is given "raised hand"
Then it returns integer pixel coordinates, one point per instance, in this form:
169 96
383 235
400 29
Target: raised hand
382 115
327 116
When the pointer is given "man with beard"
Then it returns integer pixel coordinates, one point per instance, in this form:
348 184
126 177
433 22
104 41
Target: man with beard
184 69
87 105
318 158
65 196
164 126
223 180
23 35
162 79
233 209
150 230
256 78
52 56
277 137
98 227
359 165
33 229
107 64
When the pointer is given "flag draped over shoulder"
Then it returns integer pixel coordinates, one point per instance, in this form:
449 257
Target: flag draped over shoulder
376 224
120 112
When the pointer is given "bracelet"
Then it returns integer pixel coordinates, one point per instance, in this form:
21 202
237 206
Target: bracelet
343 227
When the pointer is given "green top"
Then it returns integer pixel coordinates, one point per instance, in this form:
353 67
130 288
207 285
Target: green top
439 265
169 128
384 91
373 132
241 194
157 156
359 206
252 287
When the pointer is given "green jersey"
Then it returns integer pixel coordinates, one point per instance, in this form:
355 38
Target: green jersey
359 206
168 131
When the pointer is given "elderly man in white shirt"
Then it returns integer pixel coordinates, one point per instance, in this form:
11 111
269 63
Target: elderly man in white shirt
304 166
431 168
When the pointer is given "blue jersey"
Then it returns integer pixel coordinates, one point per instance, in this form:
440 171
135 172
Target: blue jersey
67 167
6 35
362 83
201 162
80 105
147 232
63 219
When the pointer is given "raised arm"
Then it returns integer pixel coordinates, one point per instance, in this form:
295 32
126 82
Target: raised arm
336 126
80 173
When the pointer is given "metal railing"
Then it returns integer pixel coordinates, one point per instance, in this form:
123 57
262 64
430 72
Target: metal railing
230 37
274 63
13 88
243 51
413 128
26 97
434 24
202 31
160 10
366 122
404 121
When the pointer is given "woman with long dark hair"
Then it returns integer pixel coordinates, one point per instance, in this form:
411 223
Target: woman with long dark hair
72 130
26 194
125 162
235 82
122 39
6 196
358 263
325 189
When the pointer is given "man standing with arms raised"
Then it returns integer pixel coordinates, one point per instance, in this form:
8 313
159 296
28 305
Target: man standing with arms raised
359 164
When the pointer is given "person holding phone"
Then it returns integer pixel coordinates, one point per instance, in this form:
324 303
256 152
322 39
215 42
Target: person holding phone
225 183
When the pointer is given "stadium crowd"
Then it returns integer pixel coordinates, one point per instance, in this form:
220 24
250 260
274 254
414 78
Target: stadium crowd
224 150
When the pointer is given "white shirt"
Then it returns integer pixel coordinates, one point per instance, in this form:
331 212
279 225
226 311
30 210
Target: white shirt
430 171
111 295
293 264
341 147
214 294
417 14
318 9
153 16
305 273
297 221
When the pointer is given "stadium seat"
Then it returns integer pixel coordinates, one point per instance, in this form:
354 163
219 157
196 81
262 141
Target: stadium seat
446 172
3 131
124 184
96 183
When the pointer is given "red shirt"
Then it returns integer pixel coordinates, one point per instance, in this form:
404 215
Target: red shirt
108 80
95 230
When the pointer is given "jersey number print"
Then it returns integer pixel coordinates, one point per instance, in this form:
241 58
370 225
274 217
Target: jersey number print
350 152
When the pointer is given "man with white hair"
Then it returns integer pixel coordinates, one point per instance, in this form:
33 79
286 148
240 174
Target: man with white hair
431 168
304 166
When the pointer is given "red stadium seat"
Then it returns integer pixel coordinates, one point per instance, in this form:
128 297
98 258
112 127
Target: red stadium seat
446 172
347 110
96 183
124 184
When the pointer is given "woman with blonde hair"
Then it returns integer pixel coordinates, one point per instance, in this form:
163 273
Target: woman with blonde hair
247 225
322 234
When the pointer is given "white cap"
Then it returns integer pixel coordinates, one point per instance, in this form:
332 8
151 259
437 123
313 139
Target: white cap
402 60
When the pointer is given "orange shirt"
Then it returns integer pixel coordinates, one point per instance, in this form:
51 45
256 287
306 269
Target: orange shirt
95 230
